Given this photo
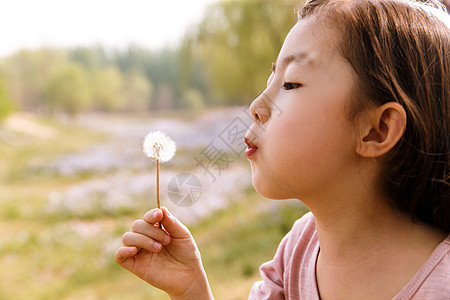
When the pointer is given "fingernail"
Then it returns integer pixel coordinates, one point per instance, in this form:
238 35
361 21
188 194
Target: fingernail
157 246
155 214
166 239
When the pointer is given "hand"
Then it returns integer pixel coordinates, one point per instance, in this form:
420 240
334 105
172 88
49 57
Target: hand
166 258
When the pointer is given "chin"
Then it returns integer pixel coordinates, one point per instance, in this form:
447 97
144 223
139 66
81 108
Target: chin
269 191
268 186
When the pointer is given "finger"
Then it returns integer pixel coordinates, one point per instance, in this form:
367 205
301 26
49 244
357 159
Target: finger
156 233
173 226
153 216
123 253
141 241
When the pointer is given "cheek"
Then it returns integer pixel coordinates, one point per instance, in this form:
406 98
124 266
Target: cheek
295 132
289 144
307 142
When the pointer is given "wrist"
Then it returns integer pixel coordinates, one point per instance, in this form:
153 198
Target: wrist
199 289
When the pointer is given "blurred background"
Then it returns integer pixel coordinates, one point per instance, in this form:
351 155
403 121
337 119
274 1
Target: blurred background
81 83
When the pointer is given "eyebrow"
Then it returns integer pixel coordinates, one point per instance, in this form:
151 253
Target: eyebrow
301 57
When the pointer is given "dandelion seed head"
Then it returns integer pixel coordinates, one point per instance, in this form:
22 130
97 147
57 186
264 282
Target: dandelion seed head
159 146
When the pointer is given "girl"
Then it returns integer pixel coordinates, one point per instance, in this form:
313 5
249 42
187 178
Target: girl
363 141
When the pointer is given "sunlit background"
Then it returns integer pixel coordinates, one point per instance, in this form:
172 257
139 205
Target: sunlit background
81 83
111 23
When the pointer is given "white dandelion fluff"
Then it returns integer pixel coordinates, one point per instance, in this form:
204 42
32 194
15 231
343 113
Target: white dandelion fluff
159 146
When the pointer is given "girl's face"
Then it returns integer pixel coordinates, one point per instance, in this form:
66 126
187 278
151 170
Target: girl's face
301 143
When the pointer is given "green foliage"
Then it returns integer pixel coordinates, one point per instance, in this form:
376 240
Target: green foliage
223 60
107 89
161 68
193 99
67 90
238 40
151 80
27 73
92 58
6 104
138 92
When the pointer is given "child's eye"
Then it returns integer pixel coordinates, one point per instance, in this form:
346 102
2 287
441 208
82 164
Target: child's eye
291 85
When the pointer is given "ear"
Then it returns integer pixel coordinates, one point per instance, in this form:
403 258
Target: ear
383 128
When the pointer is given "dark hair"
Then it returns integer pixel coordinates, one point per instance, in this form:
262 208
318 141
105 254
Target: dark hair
401 53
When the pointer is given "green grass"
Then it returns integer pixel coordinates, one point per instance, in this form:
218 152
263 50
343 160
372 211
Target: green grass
71 257
24 185
238 239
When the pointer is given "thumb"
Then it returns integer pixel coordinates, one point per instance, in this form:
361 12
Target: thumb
173 226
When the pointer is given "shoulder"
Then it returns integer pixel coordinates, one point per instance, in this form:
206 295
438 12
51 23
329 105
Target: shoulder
301 243
291 273
303 231
438 281
297 245
306 223
433 279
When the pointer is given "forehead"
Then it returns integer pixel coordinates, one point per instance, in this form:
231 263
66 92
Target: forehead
313 53
307 44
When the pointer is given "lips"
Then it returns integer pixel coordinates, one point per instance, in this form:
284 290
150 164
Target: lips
251 149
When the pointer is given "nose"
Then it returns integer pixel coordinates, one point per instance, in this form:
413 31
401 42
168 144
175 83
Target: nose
261 108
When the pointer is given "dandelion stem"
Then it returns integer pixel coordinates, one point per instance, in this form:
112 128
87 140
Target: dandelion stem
157 183
157 188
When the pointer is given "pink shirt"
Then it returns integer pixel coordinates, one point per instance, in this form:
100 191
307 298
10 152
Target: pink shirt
292 272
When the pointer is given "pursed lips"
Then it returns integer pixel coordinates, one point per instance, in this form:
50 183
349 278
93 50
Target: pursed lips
251 148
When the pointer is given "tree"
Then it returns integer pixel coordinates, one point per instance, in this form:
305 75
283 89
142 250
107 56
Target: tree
91 58
68 90
193 100
161 68
238 40
138 92
108 90
6 104
27 72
